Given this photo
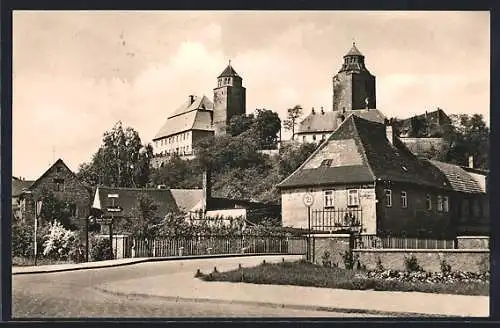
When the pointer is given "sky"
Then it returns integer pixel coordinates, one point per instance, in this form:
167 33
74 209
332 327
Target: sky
75 74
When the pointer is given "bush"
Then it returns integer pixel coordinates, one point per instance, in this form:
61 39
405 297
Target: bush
349 259
445 267
411 264
60 242
100 249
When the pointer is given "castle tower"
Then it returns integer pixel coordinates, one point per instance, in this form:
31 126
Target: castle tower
353 85
229 98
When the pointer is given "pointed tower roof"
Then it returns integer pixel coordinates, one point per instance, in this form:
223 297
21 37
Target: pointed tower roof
354 51
229 71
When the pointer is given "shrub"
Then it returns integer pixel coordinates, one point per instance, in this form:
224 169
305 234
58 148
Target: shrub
411 264
60 242
326 259
379 266
100 249
445 267
349 259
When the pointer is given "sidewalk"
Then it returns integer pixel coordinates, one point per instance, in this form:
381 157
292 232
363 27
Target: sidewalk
120 262
185 287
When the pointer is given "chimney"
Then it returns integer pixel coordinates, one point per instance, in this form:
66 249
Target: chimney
191 99
207 187
312 111
471 162
389 134
322 111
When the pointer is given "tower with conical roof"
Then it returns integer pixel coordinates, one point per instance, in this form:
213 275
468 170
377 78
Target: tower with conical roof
229 98
353 85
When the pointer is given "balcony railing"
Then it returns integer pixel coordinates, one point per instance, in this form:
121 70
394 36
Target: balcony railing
336 219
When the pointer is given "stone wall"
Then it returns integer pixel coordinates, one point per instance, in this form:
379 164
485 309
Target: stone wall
470 260
335 246
473 242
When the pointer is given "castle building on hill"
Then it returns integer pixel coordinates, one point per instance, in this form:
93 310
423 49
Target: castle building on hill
199 117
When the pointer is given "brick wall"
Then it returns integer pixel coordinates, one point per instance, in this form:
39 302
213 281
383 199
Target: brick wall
471 260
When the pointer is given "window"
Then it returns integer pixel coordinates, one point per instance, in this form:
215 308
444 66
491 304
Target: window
314 137
58 169
476 209
323 137
388 197
303 138
329 200
404 199
439 203
59 184
353 197
428 202
446 206
326 162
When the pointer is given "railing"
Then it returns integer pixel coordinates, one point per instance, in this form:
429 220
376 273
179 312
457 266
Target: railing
221 245
336 219
371 241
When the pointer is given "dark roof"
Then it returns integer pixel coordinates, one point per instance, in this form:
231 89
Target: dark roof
354 51
435 116
228 72
186 199
195 116
377 159
458 178
19 185
328 176
127 200
373 115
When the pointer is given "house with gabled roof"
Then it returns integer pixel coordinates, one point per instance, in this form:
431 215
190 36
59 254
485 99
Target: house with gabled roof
364 174
64 185
19 185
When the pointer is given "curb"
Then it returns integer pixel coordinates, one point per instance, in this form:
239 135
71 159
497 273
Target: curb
279 305
150 259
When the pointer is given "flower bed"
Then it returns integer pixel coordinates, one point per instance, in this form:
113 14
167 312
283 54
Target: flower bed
427 277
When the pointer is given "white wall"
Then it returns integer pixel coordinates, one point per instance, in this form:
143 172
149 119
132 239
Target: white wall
183 141
294 212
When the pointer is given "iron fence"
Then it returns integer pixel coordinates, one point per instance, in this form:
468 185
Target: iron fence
219 245
371 241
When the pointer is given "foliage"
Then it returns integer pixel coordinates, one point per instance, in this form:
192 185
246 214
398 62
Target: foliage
350 259
239 124
469 137
411 264
178 173
445 267
121 160
264 127
60 243
99 248
293 114
307 274
56 209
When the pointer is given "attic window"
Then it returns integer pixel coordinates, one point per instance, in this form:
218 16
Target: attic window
58 169
59 184
326 162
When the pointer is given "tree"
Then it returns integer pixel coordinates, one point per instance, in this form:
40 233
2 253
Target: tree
121 160
469 136
56 209
145 225
293 114
239 124
267 125
178 173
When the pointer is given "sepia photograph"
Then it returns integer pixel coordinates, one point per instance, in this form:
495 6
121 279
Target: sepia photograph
250 164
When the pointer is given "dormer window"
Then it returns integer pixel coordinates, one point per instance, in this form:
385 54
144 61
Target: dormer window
326 162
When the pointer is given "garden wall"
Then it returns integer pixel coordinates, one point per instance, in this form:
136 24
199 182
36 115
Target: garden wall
473 242
470 260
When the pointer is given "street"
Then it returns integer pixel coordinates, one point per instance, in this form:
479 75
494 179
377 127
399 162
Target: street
76 294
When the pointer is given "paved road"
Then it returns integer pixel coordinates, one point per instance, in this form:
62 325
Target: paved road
75 294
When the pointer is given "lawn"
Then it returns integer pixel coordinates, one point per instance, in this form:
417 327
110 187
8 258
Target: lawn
302 273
